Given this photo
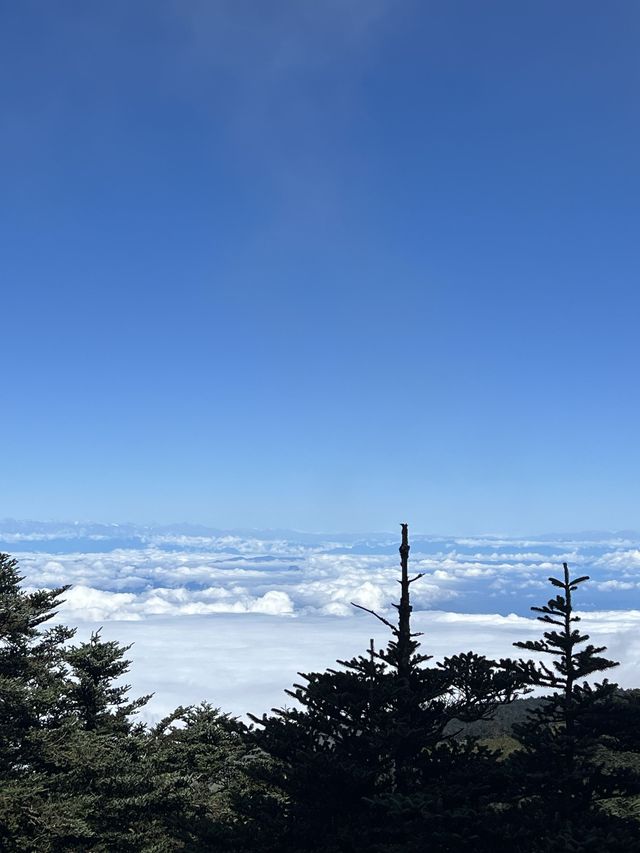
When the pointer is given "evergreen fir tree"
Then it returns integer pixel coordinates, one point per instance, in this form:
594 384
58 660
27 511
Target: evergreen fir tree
210 750
130 802
370 741
78 771
95 693
33 723
557 778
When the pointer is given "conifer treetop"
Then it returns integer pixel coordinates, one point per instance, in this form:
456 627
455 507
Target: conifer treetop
569 665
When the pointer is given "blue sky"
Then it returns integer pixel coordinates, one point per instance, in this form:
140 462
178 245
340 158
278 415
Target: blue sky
321 265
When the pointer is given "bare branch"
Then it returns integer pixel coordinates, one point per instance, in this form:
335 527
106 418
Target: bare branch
373 613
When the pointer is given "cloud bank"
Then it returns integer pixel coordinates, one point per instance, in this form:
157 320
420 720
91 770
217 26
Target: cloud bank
231 616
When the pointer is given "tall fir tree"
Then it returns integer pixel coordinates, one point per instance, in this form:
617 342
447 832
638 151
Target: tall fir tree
33 711
131 800
368 760
559 783
77 773
96 693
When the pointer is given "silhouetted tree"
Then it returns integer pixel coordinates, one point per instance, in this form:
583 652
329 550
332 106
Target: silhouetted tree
365 761
557 776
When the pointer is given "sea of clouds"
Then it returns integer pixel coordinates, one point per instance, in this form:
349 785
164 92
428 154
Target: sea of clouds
232 616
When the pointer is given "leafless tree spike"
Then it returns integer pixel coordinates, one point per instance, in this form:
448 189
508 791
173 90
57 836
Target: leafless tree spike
404 609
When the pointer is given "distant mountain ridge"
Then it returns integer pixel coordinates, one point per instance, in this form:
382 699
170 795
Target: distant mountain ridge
33 528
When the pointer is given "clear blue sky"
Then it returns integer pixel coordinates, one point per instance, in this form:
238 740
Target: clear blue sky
325 265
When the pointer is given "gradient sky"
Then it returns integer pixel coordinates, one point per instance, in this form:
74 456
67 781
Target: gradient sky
322 265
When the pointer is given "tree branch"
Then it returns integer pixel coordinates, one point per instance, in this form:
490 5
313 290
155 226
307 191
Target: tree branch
377 615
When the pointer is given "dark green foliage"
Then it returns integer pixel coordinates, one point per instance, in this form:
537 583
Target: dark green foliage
32 667
74 769
77 772
33 711
208 750
96 697
129 802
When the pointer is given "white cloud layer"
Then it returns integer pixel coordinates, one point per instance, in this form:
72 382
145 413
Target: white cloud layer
243 662
232 616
